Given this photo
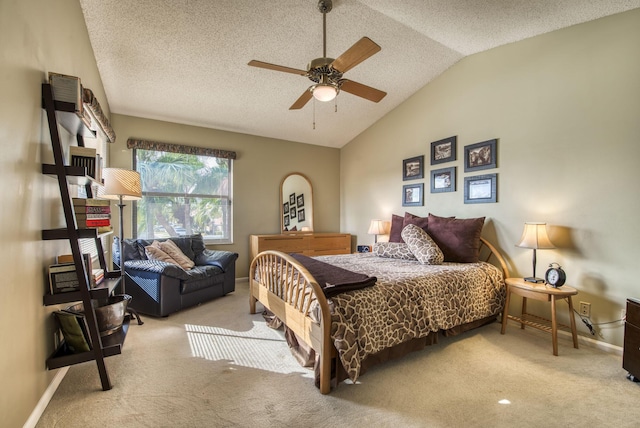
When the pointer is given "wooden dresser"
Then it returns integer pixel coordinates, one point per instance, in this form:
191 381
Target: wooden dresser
631 355
309 244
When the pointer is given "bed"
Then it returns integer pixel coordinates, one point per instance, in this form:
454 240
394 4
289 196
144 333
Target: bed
408 305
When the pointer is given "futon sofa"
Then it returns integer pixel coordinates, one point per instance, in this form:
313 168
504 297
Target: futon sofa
159 288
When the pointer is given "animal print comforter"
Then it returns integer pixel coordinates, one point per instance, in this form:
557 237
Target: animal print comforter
409 301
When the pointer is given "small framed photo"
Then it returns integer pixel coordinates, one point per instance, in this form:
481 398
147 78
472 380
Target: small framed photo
480 156
363 248
286 221
292 212
285 207
292 199
443 150
413 168
443 180
413 195
301 215
300 200
481 189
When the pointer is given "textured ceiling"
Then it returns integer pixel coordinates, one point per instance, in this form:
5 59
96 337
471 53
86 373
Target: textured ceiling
185 61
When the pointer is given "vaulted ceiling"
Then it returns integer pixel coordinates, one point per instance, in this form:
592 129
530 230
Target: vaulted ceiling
185 61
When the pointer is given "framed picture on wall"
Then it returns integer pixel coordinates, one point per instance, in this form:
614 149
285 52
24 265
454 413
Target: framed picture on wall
412 195
286 221
301 215
413 168
443 180
443 150
292 199
285 207
480 156
300 200
292 212
481 189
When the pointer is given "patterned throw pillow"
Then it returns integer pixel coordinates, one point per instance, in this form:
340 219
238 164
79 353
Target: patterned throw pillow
393 250
422 246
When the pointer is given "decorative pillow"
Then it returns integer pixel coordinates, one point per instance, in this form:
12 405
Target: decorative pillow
396 228
421 222
172 249
422 246
459 239
155 253
393 250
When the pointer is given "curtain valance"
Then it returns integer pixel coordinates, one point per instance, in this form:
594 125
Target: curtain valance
134 143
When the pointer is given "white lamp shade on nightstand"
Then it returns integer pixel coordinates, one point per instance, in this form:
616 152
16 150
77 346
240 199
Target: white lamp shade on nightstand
535 236
378 227
120 182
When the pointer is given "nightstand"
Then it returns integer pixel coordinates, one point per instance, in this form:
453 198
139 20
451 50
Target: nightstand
631 355
544 293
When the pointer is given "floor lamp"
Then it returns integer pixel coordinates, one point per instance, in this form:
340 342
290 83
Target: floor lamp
122 185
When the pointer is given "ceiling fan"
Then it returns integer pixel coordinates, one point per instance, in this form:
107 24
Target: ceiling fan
326 73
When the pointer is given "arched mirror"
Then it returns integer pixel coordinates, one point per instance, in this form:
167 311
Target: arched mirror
296 204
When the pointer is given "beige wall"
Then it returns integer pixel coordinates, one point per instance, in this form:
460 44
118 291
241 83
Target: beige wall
258 170
36 36
31 45
565 107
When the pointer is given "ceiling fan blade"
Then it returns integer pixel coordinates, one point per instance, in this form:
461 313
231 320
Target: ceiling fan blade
364 91
268 66
361 50
300 102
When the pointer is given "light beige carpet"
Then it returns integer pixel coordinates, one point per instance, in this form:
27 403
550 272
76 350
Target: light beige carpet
217 366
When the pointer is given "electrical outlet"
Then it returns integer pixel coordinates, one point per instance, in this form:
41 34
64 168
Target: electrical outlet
585 309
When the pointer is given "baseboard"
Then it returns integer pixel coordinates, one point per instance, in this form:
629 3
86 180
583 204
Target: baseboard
243 279
46 397
598 344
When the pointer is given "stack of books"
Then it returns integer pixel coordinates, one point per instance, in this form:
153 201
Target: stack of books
93 214
97 274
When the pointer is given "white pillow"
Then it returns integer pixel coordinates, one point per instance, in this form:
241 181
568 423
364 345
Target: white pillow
422 246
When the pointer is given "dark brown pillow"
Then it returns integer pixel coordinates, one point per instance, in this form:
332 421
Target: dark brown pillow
459 239
396 228
421 222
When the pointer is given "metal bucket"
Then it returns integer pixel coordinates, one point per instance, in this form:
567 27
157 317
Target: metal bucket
109 315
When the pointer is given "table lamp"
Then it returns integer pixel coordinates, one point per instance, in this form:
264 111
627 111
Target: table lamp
378 227
535 237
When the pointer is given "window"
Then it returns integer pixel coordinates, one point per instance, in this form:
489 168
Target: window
183 194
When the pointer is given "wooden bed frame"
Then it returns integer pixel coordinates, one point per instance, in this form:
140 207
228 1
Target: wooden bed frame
287 289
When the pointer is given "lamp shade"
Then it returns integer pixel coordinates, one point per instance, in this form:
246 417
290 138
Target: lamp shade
378 227
535 236
121 183
324 92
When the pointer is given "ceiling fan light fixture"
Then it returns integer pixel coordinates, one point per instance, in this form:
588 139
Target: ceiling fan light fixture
324 92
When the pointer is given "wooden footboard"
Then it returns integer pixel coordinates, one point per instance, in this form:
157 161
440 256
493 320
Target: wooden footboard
288 290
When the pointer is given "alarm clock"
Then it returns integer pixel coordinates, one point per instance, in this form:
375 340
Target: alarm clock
555 276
